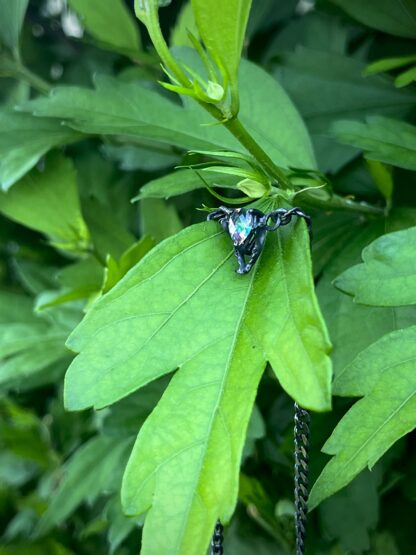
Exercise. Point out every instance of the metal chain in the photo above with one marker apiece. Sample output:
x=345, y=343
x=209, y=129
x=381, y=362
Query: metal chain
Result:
x=302, y=418
x=302, y=433
x=217, y=540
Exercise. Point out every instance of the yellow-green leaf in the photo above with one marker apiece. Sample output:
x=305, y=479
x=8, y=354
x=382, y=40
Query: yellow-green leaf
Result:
x=183, y=306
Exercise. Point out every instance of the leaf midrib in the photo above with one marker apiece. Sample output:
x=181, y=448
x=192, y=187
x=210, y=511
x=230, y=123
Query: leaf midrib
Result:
x=375, y=432
x=217, y=406
x=109, y=369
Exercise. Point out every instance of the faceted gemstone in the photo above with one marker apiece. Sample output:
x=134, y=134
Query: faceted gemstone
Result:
x=240, y=226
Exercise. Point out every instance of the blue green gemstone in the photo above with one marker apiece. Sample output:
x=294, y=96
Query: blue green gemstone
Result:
x=240, y=226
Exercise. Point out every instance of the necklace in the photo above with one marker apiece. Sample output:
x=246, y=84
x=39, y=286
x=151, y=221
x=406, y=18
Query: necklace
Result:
x=247, y=229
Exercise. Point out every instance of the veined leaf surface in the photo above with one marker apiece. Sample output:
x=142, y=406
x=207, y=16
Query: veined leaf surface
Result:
x=377, y=420
x=387, y=276
x=183, y=306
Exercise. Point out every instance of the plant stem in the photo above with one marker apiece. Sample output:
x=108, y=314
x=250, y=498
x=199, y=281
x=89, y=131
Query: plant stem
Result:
x=335, y=202
x=235, y=127
x=158, y=41
x=32, y=79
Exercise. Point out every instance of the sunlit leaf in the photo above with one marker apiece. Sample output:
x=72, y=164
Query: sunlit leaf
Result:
x=169, y=303
x=383, y=374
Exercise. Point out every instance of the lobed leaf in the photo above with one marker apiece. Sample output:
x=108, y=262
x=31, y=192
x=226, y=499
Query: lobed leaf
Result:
x=387, y=276
x=376, y=421
x=353, y=327
x=184, y=306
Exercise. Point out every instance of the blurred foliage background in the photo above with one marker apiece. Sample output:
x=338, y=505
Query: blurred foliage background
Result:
x=69, y=231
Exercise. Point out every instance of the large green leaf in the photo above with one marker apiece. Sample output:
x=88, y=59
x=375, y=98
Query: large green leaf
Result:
x=47, y=201
x=387, y=276
x=121, y=108
x=12, y=15
x=133, y=111
x=388, y=140
x=110, y=22
x=23, y=140
x=222, y=27
x=390, y=16
x=384, y=375
x=184, y=306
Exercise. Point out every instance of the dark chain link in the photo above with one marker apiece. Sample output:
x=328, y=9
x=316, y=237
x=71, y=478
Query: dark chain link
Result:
x=302, y=421
x=217, y=540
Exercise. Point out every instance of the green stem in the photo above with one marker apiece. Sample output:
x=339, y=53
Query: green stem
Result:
x=32, y=79
x=234, y=125
x=337, y=203
x=156, y=36
x=243, y=136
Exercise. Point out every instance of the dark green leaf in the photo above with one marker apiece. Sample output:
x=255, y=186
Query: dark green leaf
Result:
x=109, y=233
x=29, y=345
x=120, y=525
x=384, y=139
x=159, y=219
x=132, y=157
x=326, y=87
x=352, y=514
x=127, y=109
x=24, y=140
x=47, y=201
x=396, y=18
x=387, y=276
x=11, y=21
x=94, y=469
x=110, y=22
